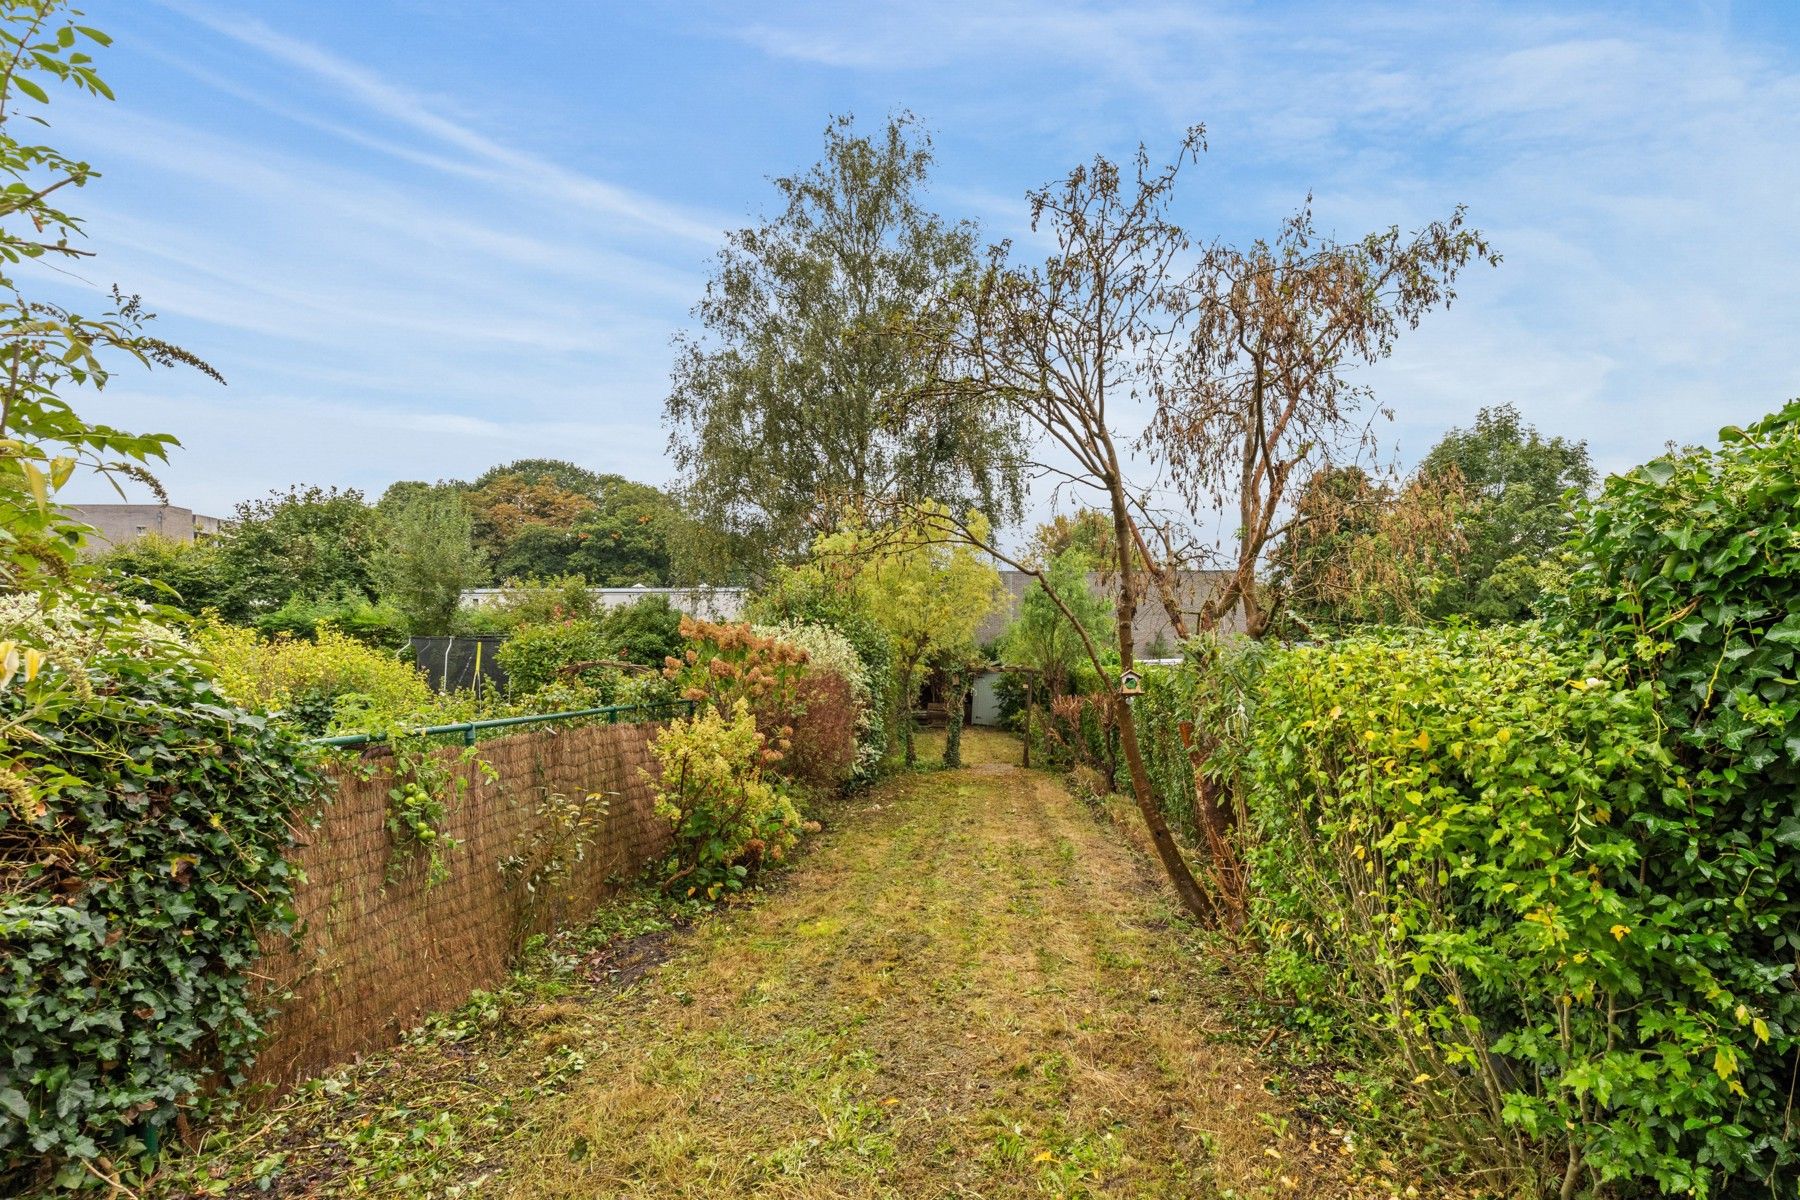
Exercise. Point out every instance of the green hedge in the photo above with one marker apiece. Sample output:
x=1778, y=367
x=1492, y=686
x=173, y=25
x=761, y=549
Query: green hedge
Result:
x=1454, y=844
x=1551, y=875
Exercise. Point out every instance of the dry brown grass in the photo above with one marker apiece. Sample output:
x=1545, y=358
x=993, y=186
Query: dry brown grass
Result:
x=969, y=989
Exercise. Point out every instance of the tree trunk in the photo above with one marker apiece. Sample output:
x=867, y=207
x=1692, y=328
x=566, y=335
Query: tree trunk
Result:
x=908, y=693
x=958, y=688
x=1192, y=898
x=1186, y=888
x=1217, y=822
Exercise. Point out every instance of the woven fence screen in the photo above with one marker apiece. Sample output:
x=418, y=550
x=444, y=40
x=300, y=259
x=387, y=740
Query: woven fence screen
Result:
x=380, y=946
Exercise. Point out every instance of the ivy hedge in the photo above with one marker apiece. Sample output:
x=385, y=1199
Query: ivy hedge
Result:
x=142, y=832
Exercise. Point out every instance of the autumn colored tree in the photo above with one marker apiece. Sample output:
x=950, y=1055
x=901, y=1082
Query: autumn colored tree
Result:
x=1259, y=394
x=1087, y=530
x=1062, y=348
x=1361, y=549
x=507, y=504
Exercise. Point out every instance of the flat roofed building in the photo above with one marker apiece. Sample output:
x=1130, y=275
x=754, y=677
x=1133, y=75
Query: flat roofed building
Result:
x=118, y=524
x=703, y=603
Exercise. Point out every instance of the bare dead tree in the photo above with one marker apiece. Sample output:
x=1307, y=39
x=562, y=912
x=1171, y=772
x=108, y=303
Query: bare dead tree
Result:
x=1260, y=398
x=1062, y=346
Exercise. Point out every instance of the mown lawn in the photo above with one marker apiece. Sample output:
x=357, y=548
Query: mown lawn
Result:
x=970, y=985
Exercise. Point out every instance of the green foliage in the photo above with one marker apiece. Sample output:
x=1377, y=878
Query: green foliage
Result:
x=1516, y=516
x=1170, y=698
x=421, y=787
x=426, y=558
x=189, y=575
x=928, y=592
x=536, y=656
x=1689, y=569
x=311, y=542
x=545, y=601
x=646, y=631
x=1363, y=550
x=798, y=391
x=1461, y=843
x=46, y=350
x=730, y=816
x=623, y=538
x=138, y=869
x=330, y=684
x=1044, y=638
x=540, y=656
x=543, y=519
x=378, y=625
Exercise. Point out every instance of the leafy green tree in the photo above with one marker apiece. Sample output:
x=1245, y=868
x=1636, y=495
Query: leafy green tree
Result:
x=315, y=543
x=1048, y=637
x=795, y=406
x=646, y=632
x=929, y=593
x=1517, y=515
x=537, y=552
x=46, y=350
x=427, y=557
x=190, y=576
x=398, y=493
x=628, y=538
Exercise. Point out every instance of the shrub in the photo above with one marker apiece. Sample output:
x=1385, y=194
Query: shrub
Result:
x=724, y=664
x=646, y=631
x=1689, y=568
x=822, y=743
x=547, y=602
x=160, y=570
x=795, y=599
x=379, y=625
x=332, y=684
x=142, y=828
x=537, y=656
x=729, y=816
x=832, y=714
x=1456, y=838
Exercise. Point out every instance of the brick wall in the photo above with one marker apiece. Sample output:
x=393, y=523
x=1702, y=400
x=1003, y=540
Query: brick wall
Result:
x=380, y=948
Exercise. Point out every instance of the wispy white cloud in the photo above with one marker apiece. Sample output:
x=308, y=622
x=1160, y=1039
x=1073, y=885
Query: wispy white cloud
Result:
x=488, y=159
x=345, y=236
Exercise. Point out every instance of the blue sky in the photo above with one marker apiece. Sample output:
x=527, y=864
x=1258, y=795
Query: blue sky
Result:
x=423, y=236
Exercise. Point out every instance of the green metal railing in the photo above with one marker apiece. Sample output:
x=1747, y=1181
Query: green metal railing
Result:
x=468, y=729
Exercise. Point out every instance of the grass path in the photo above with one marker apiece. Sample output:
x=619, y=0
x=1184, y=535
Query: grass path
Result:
x=969, y=986
x=968, y=990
